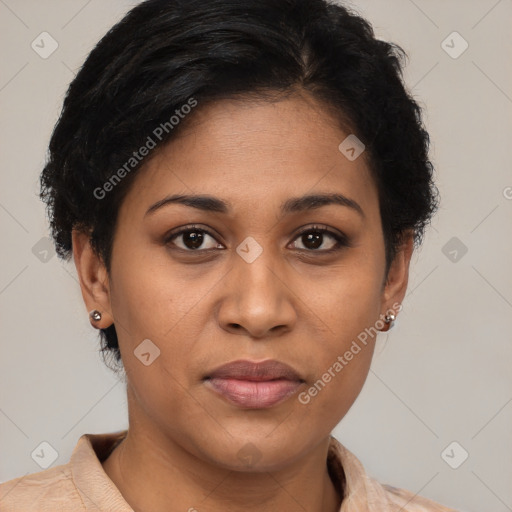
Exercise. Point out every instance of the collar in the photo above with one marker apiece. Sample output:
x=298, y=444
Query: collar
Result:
x=360, y=492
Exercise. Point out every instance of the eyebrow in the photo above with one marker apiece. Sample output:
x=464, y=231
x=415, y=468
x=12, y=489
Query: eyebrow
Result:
x=291, y=205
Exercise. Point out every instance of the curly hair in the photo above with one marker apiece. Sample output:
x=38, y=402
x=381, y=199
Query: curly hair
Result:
x=165, y=52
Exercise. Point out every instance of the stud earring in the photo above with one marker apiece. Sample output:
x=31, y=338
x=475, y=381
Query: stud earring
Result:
x=95, y=314
x=389, y=318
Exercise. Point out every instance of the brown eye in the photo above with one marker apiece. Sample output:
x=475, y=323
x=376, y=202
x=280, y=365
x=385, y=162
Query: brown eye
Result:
x=193, y=239
x=313, y=239
x=317, y=239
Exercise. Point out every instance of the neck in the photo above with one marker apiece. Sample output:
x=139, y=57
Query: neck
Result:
x=173, y=476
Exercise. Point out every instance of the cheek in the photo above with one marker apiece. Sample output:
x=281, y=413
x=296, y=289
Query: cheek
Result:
x=341, y=360
x=350, y=298
x=332, y=394
x=350, y=309
x=157, y=394
x=152, y=298
x=157, y=302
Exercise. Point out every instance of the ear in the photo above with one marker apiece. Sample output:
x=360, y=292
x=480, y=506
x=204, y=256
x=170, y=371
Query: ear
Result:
x=93, y=278
x=397, y=278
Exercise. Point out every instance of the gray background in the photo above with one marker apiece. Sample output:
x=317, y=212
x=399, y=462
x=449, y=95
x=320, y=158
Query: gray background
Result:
x=443, y=374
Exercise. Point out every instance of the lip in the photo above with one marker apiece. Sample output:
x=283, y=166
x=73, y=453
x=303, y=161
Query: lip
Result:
x=254, y=385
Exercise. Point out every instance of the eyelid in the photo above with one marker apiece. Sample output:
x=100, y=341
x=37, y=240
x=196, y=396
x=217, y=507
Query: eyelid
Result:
x=323, y=228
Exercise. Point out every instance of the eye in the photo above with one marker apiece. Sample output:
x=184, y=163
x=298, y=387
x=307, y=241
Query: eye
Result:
x=314, y=237
x=193, y=239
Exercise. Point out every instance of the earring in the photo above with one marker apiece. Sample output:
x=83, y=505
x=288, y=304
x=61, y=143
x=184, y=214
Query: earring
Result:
x=95, y=314
x=389, y=318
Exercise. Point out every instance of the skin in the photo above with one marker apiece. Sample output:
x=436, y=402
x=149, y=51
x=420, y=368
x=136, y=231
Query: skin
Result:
x=292, y=303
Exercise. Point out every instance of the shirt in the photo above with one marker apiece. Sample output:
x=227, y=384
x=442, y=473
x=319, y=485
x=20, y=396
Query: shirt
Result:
x=83, y=485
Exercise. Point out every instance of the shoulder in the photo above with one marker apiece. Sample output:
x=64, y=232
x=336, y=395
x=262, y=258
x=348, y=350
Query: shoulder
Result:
x=363, y=492
x=81, y=484
x=45, y=489
x=407, y=501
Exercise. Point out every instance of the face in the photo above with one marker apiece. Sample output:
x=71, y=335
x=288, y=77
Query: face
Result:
x=249, y=276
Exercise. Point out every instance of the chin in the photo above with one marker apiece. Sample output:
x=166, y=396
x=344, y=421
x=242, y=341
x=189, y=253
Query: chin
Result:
x=254, y=450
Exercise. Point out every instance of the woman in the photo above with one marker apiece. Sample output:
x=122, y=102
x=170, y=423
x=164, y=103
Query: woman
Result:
x=241, y=186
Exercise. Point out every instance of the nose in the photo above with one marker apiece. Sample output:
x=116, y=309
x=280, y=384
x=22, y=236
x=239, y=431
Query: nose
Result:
x=258, y=298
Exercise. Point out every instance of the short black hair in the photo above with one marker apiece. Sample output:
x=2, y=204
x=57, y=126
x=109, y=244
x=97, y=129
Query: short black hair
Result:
x=165, y=54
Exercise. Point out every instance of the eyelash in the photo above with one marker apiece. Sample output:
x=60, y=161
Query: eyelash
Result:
x=341, y=240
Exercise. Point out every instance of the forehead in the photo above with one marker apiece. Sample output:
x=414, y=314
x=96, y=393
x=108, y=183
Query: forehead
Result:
x=253, y=153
